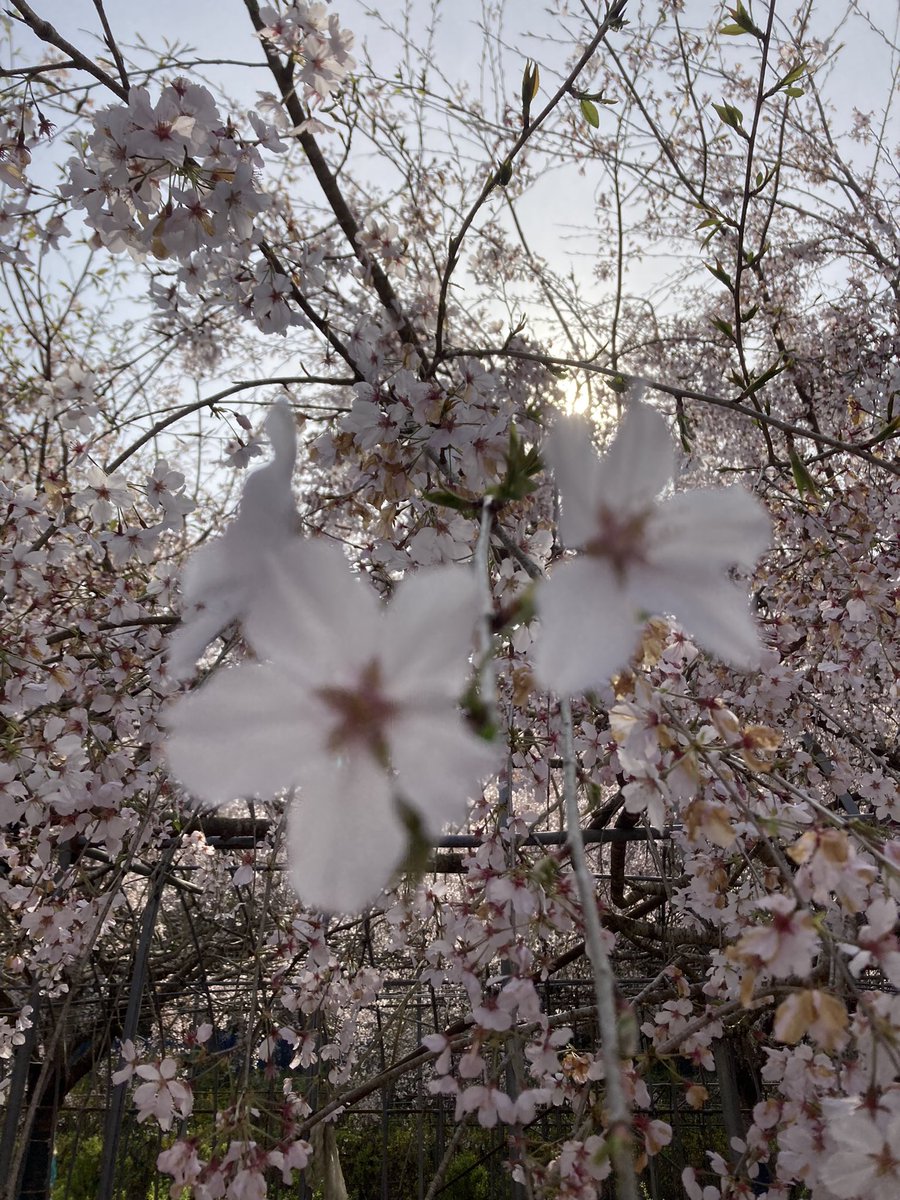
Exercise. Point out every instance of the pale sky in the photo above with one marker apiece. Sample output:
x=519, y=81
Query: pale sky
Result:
x=860, y=75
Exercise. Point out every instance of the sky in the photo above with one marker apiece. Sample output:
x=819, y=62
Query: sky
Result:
x=860, y=75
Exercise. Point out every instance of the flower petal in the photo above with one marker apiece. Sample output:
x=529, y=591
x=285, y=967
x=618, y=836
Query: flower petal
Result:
x=267, y=508
x=439, y=764
x=639, y=462
x=712, y=609
x=569, y=450
x=241, y=734
x=428, y=633
x=849, y=1173
x=315, y=613
x=344, y=835
x=221, y=578
x=588, y=627
x=710, y=528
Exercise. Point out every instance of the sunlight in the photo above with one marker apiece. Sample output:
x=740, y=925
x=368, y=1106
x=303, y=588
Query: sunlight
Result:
x=577, y=396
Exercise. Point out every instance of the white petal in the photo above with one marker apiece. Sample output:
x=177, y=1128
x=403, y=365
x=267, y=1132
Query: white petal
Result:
x=570, y=452
x=267, y=508
x=281, y=430
x=710, y=527
x=848, y=1173
x=712, y=609
x=208, y=569
x=588, y=627
x=639, y=462
x=314, y=613
x=195, y=633
x=428, y=633
x=242, y=733
x=344, y=837
x=223, y=575
x=218, y=578
x=440, y=764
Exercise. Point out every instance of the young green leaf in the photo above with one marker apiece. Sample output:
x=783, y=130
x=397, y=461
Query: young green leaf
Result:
x=802, y=478
x=741, y=22
x=521, y=466
x=450, y=500
x=730, y=116
x=590, y=114
x=531, y=81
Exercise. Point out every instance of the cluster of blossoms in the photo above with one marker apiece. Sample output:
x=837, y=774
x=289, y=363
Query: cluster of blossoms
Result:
x=170, y=177
x=240, y=1173
x=312, y=37
x=355, y=703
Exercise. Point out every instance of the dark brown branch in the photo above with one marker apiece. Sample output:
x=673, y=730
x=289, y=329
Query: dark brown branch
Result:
x=49, y=34
x=282, y=73
x=113, y=46
x=684, y=393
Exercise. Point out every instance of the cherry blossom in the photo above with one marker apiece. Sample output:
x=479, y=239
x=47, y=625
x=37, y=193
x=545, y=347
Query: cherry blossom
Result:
x=866, y=1162
x=640, y=555
x=356, y=704
x=312, y=37
x=162, y=1096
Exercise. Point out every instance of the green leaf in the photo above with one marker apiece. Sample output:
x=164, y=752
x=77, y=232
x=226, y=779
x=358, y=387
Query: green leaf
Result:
x=889, y=430
x=741, y=22
x=730, y=115
x=802, y=478
x=685, y=432
x=521, y=466
x=450, y=500
x=762, y=380
x=723, y=326
x=794, y=92
x=721, y=274
x=796, y=72
x=504, y=173
x=590, y=114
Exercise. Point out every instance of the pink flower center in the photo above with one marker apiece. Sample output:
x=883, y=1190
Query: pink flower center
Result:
x=362, y=714
x=620, y=538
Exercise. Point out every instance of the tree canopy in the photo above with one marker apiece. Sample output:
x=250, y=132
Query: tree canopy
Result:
x=448, y=623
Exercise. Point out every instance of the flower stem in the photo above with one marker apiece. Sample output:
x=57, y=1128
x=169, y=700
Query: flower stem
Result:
x=617, y=1109
x=485, y=638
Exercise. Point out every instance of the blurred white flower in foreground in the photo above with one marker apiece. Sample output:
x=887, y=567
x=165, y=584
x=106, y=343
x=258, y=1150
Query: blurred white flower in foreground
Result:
x=356, y=705
x=222, y=576
x=640, y=555
x=866, y=1162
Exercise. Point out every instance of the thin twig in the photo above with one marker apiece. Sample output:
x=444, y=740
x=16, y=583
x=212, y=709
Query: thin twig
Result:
x=47, y=33
x=618, y=1114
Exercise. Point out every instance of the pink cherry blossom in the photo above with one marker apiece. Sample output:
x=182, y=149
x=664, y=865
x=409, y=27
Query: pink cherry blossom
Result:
x=162, y=1096
x=866, y=1165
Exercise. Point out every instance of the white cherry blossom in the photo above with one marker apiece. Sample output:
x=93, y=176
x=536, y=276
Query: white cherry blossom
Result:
x=162, y=1096
x=640, y=555
x=867, y=1161
x=356, y=704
